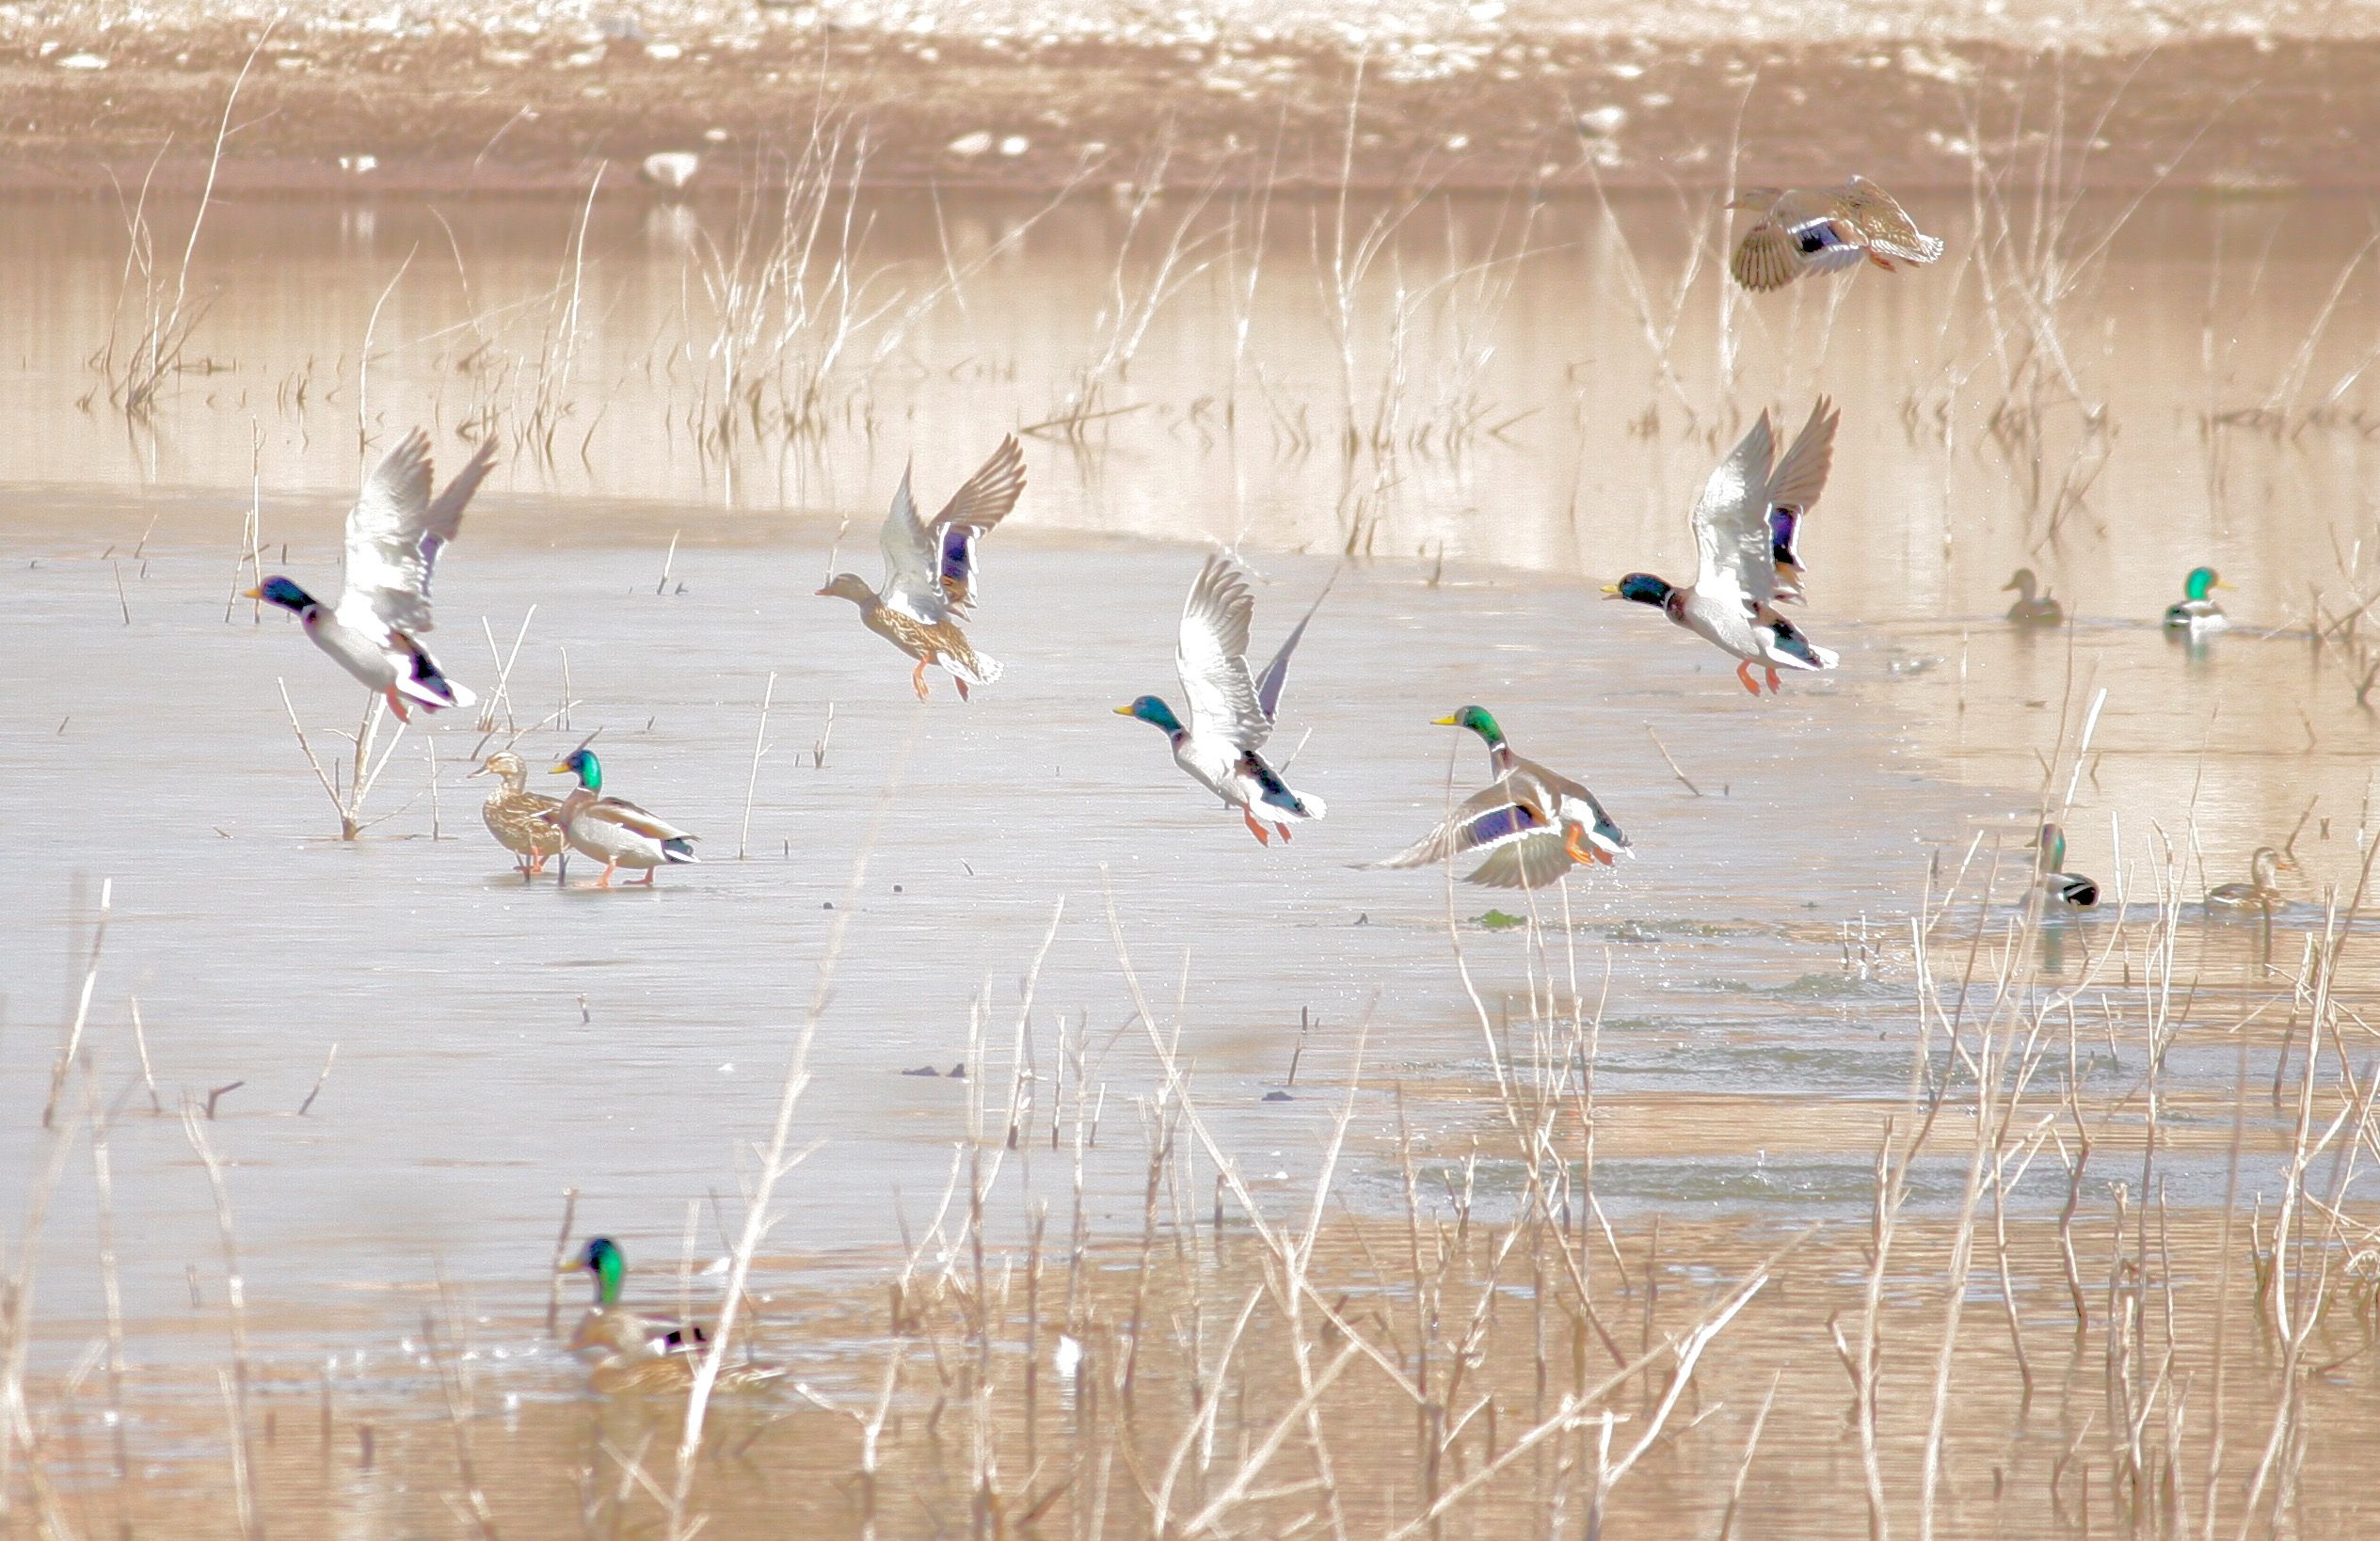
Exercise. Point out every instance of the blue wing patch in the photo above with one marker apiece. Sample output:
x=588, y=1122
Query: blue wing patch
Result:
x=1502, y=824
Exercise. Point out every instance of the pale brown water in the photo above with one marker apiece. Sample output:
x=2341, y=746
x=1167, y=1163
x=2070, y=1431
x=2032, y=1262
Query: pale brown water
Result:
x=497, y=1043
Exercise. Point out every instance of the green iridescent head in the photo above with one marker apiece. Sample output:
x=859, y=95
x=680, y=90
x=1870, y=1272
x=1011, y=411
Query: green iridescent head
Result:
x=1479, y=720
x=2199, y=581
x=1149, y=709
x=585, y=766
x=609, y=1264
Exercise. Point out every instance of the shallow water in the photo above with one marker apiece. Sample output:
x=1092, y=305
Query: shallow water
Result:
x=496, y=1043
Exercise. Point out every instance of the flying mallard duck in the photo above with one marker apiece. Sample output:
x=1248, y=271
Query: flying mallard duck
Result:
x=1231, y=711
x=2057, y=884
x=2262, y=890
x=2029, y=610
x=394, y=533
x=2194, y=611
x=516, y=816
x=602, y=1259
x=636, y=1365
x=1796, y=483
x=930, y=572
x=1730, y=603
x=1536, y=823
x=1801, y=231
x=613, y=829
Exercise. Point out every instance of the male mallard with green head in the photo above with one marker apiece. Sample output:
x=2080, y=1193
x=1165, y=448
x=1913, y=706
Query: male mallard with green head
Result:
x=1535, y=823
x=613, y=829
x=516, y=816
x=1231, y=709
x=602, y=1259
x=394, y=533
x=1732, y=601
x=2194, y=611
x=2058, y=885
x=930, y=573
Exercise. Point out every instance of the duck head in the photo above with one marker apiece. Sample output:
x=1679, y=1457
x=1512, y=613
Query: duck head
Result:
x=2199, y=581
x=506, y=766
x=2023, y=582
x=1477, y=719
x=281, y=592
x=849, y=586
x=604, y=1259
x=1149, y=709
x=1643, y=588
x=585, y=766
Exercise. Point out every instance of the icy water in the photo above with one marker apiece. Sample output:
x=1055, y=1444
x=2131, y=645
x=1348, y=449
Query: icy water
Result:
x=496, y=1043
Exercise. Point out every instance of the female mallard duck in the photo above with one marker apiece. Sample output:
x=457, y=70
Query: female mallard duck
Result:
x=2194, y=611
x=2057, y=884
x=2262, y=890
x=930, y=573
x=2029, y=610
x=516, y=816
x=607, y=1264
x=1231, y=711
x=1825, y=231
x=613, y=829
x=636, y=1365
x=1536, y=824
x=1731, y=602
x=394, y=533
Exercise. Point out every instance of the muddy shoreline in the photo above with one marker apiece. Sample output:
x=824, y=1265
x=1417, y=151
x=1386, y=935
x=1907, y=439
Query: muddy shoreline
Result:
x=87, y=111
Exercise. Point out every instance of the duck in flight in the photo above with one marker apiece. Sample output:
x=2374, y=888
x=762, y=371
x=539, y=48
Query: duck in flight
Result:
x=1231, y=709
x=1745, y=564
x=1826, y=231
x=930, y=573
x=1534, y=824
x=394, y=533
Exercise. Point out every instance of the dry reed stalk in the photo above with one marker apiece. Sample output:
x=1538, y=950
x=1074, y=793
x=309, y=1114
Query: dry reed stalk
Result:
x=760, y=747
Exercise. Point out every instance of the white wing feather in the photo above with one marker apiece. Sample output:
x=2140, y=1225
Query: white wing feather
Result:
x=913, y=583
x=389, y=545
x=1212, y=656
x=1730, y=521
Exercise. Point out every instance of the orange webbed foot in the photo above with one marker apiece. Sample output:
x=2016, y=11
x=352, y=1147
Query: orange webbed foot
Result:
x=1744, y=678
x=647, y=881
x=1253, y=828
x=396, y=706
x=961, y=684
x=606, y=881
x=917, y=681
x=1775, y=684
x=1283, y=830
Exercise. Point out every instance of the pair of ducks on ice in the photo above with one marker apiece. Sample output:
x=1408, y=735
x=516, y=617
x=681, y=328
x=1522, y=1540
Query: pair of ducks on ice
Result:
x=2194, y=612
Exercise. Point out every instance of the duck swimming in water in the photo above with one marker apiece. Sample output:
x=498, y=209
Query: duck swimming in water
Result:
x=2030, y=609
x=2194, y=612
